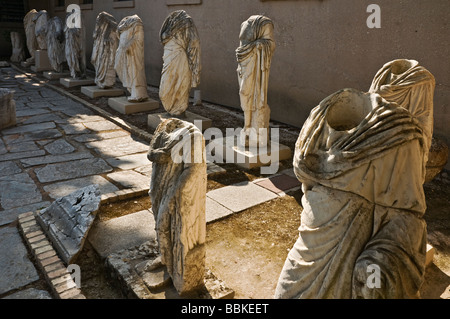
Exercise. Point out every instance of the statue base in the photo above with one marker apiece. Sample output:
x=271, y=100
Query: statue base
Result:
x=229, y=150
x=71, y=82
x=122, y=105
x=201, y=122
x=26, y=64
x=53, y=75
x=95, y=92
x=42, y=63
x=127, y=266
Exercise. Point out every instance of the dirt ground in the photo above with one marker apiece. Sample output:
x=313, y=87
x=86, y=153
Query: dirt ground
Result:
x=247, y=250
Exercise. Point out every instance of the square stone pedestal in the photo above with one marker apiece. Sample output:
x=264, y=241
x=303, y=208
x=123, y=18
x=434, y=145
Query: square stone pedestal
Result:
x=42, y=63
x=70, y=82
x=95, y=92
x=53, y=75
x=229, y=150
x=122, y=105
x=201, y=122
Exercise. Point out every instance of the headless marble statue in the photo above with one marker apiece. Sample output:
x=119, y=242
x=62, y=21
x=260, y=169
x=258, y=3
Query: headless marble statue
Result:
x=41, y=20
x=130, y=62
x=76, y=49
x=56, y=43
x=181, y=69
x=254, y=57
x=29, y=25
x=178, y=195
x=106, y=41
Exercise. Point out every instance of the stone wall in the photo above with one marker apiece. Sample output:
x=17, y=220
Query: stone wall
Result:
x=322, y=46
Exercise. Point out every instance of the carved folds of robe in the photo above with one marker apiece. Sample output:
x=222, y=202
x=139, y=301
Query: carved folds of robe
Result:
x=181, y=68
x=360, y=161
x=254, y=57
x=411, y=86
x=41, y=20
x=76, y=49
x=29, y=25
x=106, y=41
x=129, y=62
x=178, y=195
x=56, y=43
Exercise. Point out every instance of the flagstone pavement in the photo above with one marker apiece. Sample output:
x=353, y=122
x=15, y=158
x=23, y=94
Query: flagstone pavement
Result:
x=60, y=145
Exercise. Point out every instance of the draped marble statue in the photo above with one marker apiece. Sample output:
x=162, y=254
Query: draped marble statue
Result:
x=56, y=43
x=411, y=86
x=181, y=68
x=106, y=41
x=360, y=161
x=178, y=195
x=75, y=48
x=129, y=62
x=29, y=25
x=41, y=20
x=254, y=57
x=18, y=52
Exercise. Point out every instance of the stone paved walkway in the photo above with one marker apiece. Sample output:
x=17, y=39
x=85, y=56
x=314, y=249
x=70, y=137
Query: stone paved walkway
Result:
x=60, y=145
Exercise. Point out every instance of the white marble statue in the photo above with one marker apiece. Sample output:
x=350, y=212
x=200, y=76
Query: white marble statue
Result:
x=41, y=20
x=56, y=43
x=178, y=196
x=360, y=161
x=130, y=61
x=75, y=49
x=29, y=25
x=181, y=69
x=106, y=41
x=254, y=57
x=411, y=86
x=18, y=52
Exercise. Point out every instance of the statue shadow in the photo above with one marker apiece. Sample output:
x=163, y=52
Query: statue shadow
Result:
x=436, y=283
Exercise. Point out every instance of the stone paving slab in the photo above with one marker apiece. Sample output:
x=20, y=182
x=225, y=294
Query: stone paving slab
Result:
x=42, y=118
x=59, y=147
x=130, y=179
x=50, y=159
x=19, y=155
x=118, y=146
x=100, y=126
x=29, y=128
x=129, y=161
x=71, y=170
x=9, y=168
x=241, y=196
x=32, y=136
x=22, y=147
x=215, y=211
x=18, y=190
x=10, y=215
x=133, y=230
x=30, y=293
x=16, y=270
x=279, y=183
x=60, y=189
x=93, y=137
x=75, y=128
x=31, y=112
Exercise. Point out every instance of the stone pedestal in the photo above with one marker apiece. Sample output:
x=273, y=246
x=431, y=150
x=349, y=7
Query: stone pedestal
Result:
x=7, y=109
x=42, y=62
x=95, y=92
x=229, y=150
x=53, y=75
x=122, y=105
x=201, y=122
x=70, y=82
x=26, y=64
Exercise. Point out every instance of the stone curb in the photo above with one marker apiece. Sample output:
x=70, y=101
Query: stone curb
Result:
x=55, y=272
x=116, y=120
x=122, y=195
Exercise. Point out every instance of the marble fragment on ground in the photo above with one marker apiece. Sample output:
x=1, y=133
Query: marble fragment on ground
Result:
x=68, y=219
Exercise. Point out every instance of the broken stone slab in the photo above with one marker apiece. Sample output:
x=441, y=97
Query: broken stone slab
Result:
x=128, y=265
x=68, y=219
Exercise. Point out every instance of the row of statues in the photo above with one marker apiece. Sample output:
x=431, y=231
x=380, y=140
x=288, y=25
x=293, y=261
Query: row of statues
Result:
x=118, y=48
x=360, y=156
